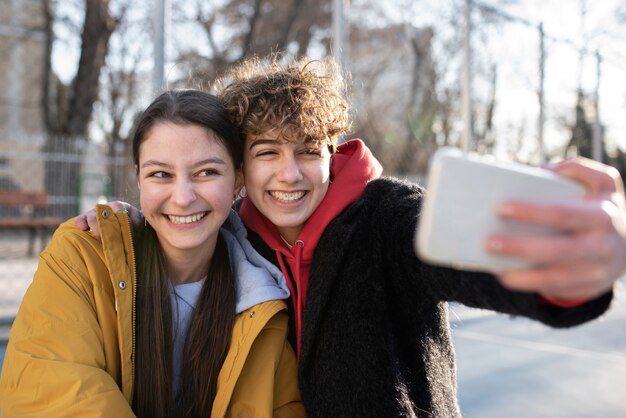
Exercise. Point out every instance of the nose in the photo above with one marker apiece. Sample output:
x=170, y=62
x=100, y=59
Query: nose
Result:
x=289, y=170
x=184, y=192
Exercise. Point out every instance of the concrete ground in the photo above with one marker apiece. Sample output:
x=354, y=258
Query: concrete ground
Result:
x=507, y=367
x=514, y=367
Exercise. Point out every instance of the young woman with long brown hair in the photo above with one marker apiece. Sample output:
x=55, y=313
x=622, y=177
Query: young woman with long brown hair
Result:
x=182, y=318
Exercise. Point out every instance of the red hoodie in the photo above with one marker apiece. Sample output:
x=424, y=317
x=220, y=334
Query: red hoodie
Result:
x=352, y=167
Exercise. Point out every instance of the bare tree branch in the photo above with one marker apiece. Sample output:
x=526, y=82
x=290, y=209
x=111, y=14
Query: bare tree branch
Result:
x=253, y=22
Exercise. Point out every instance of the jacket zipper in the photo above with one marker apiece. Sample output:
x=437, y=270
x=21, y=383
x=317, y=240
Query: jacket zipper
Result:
x=134, y=304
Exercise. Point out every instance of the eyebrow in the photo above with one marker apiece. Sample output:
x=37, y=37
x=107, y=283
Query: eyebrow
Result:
x=212, y=160
x=265, y=142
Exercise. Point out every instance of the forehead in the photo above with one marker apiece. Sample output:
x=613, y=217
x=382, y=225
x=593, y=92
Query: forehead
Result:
x=174, y=141
x=285, y=137
x=281, y=135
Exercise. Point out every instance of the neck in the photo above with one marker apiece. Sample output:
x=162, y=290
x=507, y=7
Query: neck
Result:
x=189, y=266
x=289, y=234
x=290, y=246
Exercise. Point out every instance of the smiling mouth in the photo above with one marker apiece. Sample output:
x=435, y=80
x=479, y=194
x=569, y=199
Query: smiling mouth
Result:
x=287, y=197
x=181, y=220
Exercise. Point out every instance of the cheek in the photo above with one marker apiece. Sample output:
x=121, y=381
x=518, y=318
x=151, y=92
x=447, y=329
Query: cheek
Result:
x=253, y=175
x=221, y=194
x=319, y=175
x=148, y=199
x=224, y=197
x=254, y=186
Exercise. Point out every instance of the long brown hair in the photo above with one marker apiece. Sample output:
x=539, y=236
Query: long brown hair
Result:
x=213, y=319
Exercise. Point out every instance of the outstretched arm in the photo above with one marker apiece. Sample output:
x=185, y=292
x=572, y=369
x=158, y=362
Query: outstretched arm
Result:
x=585, y=262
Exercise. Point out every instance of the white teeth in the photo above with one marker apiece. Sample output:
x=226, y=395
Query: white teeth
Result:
x=186, y=219
x=287, y=197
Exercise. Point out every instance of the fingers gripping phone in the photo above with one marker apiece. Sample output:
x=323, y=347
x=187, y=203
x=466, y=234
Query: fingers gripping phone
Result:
x=459, y=211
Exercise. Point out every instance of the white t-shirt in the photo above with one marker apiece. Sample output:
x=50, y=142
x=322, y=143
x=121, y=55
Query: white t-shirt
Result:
x=184, y=298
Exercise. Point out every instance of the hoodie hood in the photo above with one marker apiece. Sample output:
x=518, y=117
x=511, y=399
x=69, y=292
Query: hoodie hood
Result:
x=352, y=167
x=257, y=280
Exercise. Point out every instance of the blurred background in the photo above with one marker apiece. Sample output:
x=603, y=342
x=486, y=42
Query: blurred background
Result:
x=524, y=80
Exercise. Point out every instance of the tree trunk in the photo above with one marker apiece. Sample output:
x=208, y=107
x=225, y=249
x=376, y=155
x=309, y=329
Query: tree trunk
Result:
x=68, y=122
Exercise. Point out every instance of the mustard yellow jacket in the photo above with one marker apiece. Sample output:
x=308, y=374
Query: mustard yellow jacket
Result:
x=70, y=351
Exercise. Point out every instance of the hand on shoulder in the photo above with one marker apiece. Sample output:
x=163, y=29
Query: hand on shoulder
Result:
x=87, y=220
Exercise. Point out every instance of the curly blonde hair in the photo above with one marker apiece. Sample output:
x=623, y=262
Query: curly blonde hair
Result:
x=304, y=99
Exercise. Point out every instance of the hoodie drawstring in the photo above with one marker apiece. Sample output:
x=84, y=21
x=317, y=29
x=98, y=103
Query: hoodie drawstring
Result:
x=293, y=284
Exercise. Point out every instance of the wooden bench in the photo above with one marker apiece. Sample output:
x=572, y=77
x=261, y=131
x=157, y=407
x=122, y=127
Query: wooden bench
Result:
x=26, y=203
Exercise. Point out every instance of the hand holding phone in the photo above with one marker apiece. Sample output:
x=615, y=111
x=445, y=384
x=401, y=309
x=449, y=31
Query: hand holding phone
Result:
x=459, y=211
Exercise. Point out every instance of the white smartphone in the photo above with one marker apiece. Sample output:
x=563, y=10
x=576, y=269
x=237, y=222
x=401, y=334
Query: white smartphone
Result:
x=459, y=211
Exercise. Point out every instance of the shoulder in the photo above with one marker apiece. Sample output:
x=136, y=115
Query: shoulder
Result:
x=388, y=209
x=392, y=188
x=384, y=200
x=269, y=314
x=76, y=256
x=71, y=268
x=391, y=198
x=267, y=321
x=69, y=241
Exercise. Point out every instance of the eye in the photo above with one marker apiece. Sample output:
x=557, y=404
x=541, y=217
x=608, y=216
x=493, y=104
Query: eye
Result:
x=265, y=152
x=311, y=152
x=159, y=175
x=207, y=172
